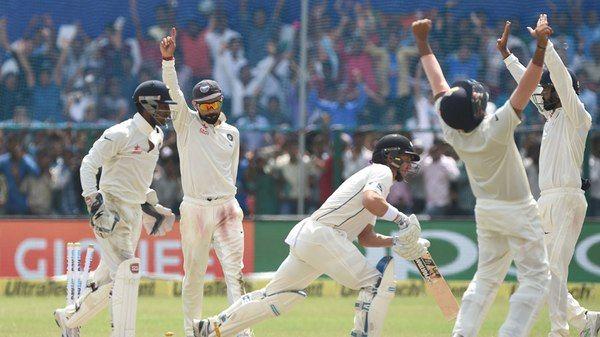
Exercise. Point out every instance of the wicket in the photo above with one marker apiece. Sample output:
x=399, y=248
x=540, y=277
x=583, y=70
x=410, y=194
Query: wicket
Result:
x=77, y=278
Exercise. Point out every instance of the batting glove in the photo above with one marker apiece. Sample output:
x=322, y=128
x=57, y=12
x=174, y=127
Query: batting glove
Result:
x=411, y=251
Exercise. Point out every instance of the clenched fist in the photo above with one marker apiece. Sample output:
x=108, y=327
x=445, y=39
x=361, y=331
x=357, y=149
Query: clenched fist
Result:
x=421, y=29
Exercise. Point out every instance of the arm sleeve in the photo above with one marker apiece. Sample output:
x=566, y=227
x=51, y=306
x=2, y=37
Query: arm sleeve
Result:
x=564, y=87
x=517, y=70
x=105, y=148
x=380, y=180
x=180, y=112
x=503, y=123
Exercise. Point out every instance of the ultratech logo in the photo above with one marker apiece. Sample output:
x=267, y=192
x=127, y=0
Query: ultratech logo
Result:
x=34, y=289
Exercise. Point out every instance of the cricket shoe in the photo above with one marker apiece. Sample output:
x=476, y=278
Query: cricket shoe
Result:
x=60, y=317
x=204, y=328
x=246, y=333
x=592, y=324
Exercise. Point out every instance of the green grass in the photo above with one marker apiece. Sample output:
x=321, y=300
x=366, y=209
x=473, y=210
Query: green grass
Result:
x=314, y=317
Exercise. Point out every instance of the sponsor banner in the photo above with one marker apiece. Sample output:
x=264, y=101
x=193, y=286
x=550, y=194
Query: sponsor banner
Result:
x=319, y=288
x=36, y=249
x=453, y=246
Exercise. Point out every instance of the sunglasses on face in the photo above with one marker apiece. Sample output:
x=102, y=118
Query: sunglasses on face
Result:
x=209, y=106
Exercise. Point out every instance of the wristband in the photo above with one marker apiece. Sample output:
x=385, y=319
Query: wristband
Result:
x=170, y=58
x=540, y=47
x=393, y=214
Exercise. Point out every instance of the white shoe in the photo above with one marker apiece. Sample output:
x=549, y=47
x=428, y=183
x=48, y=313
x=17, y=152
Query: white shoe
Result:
x=592, y=324
x=246, y=333
x=202, y=327
x=60, y=317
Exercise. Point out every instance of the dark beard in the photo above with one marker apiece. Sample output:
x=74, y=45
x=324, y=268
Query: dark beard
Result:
x=550, y=105
x=211, y=118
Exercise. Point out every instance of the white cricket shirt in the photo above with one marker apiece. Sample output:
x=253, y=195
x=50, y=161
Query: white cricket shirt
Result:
x=127, y=153
x=208, y=154
x=565, y=130
x=491, y=157
x=344, y=209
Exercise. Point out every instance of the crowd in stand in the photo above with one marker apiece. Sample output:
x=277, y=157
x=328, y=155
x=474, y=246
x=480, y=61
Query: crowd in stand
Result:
x=363, y=70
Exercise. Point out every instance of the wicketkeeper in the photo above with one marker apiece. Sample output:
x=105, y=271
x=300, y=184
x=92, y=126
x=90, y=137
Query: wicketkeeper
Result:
x=127, y=153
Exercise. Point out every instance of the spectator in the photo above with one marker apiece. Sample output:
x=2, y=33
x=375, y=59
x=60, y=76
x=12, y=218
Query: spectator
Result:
x=12, y=94
x=438, y=172
x=588, y=94
x=288, y=167
x=113, y=106
x=275, y=114
x=46, y=102
x=260, y=31
x=16, y=165
x=196, y=53
x=262, y=182
x=253, y=139
x=345, y=108
x=38, y=189
x=463, y=64
x=356, y=157
x=228, y=63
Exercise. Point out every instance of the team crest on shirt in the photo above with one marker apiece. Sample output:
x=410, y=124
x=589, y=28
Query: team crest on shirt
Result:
x=204, y=130
x=230, y=137
x=137, y=149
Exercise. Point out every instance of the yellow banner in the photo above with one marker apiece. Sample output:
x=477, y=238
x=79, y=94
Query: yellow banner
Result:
x=319, y=288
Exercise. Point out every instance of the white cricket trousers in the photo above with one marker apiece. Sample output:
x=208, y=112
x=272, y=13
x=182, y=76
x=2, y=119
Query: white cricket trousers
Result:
x=204, y=222
x=563, y=212
x=121, y=244
x=506, y=231
x=315, y=250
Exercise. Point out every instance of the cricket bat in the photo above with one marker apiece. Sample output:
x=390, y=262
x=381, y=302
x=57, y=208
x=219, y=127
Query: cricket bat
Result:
x=436, y=286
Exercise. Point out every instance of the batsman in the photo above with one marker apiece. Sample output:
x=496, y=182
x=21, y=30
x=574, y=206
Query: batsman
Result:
x=322, y=244
x=127, y=153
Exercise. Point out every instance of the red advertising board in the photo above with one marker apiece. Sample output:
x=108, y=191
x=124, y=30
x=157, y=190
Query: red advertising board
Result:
x=36, y=249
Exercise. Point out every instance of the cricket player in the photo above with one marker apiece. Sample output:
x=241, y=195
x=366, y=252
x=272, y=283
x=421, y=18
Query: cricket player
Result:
x=562, y=202
x=507, y=217
x=322, y=244
x=127, y=153
x=209, y=150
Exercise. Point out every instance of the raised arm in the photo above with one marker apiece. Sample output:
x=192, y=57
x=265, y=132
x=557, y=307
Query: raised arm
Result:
x=432, y=68
x=512, y=63
x=531, y=78
x=180, y=112
x=561, y=79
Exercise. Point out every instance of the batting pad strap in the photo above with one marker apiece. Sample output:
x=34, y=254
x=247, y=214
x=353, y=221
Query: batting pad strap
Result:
x=91, y=302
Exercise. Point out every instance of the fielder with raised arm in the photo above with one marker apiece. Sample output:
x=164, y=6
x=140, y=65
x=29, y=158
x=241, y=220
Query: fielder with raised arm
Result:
x=127, y=153
x=508, y=223
x=209, y=150
x=562, y=202
x=322, y=244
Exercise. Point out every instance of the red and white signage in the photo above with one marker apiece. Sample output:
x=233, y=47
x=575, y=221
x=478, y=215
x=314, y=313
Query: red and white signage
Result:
x=36, y=249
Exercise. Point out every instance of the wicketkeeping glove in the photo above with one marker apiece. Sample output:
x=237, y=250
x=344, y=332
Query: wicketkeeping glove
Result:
x=103, y=221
